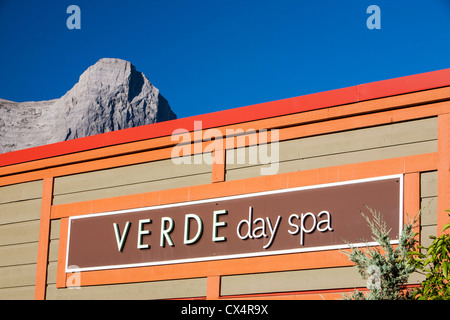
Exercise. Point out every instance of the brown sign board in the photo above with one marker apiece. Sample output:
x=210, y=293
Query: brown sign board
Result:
x=312, y=218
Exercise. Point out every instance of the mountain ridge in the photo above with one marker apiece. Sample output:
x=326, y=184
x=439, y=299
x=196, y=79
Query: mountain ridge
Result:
x=110, y=95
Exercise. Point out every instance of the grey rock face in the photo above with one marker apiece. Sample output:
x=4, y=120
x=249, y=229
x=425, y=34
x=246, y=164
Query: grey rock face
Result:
x=110, y=95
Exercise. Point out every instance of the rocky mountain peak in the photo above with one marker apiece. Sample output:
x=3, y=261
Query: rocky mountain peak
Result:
x=110, y=95
x=109, y=74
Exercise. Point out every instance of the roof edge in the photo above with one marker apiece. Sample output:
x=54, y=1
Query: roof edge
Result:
x=325, y=99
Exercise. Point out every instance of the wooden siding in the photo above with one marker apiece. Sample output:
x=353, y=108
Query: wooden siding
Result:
x=428, y=197
x=20, y=207
x=132, y=179
x=354, y=146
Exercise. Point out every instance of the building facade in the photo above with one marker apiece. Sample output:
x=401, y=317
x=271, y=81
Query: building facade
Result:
x=249, y=203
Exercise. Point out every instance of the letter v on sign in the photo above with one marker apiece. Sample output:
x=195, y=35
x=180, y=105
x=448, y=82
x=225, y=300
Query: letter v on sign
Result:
x=121, y=240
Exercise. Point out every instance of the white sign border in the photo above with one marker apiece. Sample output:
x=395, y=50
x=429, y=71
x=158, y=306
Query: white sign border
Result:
x=72, y=269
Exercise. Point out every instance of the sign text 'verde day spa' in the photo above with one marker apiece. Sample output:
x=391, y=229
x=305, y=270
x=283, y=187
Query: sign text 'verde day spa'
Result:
x=246, y=229
x=274, y=222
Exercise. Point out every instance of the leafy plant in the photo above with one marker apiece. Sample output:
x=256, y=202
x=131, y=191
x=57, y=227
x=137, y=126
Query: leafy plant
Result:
x=435, y=264
x=385, y=267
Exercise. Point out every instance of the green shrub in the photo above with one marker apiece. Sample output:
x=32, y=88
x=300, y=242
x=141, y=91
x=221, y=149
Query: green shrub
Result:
x=385, y=268
x=435, y=264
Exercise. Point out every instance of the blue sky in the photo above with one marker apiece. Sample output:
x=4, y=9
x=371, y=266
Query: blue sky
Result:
x=211, y=55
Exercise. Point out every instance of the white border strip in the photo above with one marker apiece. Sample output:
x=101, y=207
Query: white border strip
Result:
x=242, y=255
